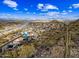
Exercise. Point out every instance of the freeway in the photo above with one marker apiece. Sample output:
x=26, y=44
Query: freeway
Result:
x=14, y=31
x=19, y=28
x=1, y=46
x=4, y=46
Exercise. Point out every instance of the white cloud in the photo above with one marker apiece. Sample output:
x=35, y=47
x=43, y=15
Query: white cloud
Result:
x=53, y=13
x=25, y=9
x=49, y=6
x=34, y=13
x=40, y=6
x=70, y=7
x=64, y=12
x=15, y=9
x=27, y=12
x=10, y=3
x=76, y=5
x=46, y=7
x=69, y=10
x=44, y=10
x=56, y=15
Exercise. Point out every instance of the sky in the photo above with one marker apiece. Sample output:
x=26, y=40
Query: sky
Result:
x=39, y=9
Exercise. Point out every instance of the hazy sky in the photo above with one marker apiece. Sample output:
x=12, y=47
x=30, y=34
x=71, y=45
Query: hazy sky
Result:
x=39, y=9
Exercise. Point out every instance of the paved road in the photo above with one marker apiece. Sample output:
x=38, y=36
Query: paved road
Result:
x=4, y=45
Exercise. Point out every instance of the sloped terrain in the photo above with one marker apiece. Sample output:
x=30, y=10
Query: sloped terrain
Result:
x=53, y=39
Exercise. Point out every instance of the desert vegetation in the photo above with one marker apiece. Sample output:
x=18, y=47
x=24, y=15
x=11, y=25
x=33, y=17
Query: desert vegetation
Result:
x=54, y=39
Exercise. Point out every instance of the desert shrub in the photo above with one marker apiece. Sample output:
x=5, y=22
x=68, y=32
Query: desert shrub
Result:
x=26, y=51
